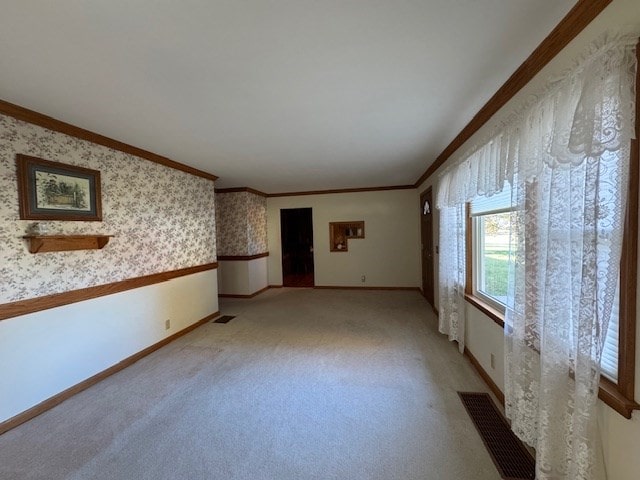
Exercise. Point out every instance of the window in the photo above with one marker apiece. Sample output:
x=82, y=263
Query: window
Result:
x=490, y=218
x=482, y=291
x=488, y=258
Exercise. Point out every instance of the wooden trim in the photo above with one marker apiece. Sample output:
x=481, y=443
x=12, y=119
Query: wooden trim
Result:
x=237, y=258
x=231, y=295
x=31, y=305
x=337, y=287
x=610, y=394
x=340, y=190
x=613, y=395
x=485, y=376
x=608, y=391
x=569, y=27
x=495, y=315
x=468, y=241
x=241, y=189
x=628, y=280
x=98, y=377
x=629, y=267
x=50, y=123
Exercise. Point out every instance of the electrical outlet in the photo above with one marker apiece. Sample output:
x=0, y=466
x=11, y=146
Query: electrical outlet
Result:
x=363, y=279
x=167, y=324
x=493, y=361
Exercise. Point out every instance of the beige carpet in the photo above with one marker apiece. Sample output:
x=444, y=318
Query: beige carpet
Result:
x=302, y=384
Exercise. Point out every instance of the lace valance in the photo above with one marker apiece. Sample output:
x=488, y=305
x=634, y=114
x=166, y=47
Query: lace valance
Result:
x=586, y=112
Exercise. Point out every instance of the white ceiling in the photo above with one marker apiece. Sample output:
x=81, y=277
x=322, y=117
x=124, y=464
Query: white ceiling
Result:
x=281, y=95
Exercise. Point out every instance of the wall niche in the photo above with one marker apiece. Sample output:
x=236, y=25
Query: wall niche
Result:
x=341, y=232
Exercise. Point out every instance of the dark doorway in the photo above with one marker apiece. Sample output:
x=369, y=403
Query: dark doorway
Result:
x=426, y=228
x=296, y=229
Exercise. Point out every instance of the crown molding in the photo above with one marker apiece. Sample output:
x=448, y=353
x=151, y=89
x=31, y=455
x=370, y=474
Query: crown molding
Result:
x=241, y=189
x=581, y=15
x=341, y=190
x=41, y=120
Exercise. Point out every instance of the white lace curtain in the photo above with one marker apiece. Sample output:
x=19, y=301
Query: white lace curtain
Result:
x=451, y=317
x=566, y=153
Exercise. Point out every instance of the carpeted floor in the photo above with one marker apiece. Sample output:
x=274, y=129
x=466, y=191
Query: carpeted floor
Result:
x=303, y=384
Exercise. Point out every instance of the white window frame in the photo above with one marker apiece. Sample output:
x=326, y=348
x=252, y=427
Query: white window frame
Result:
x=478, y=210
x=478, y=270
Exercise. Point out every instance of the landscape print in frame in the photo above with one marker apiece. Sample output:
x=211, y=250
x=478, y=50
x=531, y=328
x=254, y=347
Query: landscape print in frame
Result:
x=56, y=191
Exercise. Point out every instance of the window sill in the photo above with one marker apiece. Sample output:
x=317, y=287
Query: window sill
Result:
x=495, y=315
x=610, y=395
x=608, y=391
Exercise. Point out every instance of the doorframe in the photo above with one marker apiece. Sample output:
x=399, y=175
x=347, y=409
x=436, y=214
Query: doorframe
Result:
x=312, y=282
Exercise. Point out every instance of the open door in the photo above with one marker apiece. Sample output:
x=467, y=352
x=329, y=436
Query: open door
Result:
x=296, y=228
x=426, y=228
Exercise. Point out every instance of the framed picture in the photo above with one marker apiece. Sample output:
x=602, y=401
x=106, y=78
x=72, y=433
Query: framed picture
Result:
x=55, y=191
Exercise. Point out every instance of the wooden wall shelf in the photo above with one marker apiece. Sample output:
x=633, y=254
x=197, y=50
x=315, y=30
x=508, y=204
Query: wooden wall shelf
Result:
x=63, y=243
x=341, y=232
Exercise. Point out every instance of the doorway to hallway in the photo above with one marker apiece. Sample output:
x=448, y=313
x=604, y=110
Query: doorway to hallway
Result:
x=296, y=228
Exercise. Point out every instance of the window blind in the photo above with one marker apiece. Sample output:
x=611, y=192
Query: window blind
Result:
x=609, y=360
x=497, y=203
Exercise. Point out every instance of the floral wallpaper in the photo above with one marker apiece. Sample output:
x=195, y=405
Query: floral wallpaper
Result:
x=256, y=224
x=162, y=219
x=231, y=213
x=242, y=223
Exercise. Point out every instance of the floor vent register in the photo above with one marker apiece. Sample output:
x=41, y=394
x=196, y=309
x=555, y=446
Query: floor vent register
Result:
x=224, y=319
x=511, y=457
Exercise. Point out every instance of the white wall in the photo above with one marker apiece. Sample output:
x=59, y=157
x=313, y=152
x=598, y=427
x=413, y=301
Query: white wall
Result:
x=620, y=436
x=242, y=277
x=486, y=338
x=258, y=274
x=388, y=256
x=44, y=353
